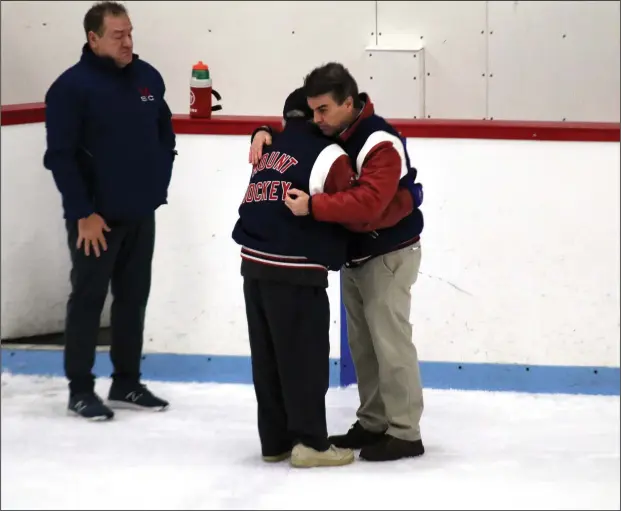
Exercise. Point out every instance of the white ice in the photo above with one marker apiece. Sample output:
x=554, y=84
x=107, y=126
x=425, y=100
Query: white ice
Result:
x=484, y=451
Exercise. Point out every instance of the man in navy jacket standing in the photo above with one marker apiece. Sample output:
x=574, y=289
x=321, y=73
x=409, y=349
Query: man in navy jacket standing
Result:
x=110, y=148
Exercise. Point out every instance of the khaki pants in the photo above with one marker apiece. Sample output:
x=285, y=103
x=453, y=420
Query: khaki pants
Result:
x=377, y=297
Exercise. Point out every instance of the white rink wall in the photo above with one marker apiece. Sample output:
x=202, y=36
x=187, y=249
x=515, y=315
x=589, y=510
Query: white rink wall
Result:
x=520, y=251
x=460, y=60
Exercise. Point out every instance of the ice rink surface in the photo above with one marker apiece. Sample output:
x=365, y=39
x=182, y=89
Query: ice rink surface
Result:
x=484, y=451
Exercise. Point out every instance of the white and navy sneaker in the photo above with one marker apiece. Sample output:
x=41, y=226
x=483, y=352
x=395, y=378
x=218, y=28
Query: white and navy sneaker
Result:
x=136, y=397
x=89, y=406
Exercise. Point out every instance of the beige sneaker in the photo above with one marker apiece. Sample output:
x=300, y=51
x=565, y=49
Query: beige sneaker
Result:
x=277, y=458
x=307, y=457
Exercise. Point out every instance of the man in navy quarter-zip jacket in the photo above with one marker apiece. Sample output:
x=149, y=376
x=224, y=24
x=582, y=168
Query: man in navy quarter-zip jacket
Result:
x=110, y=148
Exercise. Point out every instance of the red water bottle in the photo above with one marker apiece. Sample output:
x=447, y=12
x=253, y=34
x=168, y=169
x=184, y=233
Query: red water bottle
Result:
x=200, y=91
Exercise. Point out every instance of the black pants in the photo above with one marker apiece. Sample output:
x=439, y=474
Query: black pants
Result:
x=290, y=347
x=126, y=265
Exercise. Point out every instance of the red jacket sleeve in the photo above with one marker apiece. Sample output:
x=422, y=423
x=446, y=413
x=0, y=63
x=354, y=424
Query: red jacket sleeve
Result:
x=341, y=175
x=371, y=202
x=400, y=206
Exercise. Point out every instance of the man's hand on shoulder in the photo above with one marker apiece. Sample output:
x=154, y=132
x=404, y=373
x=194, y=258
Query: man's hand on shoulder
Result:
x=91, y=233
x=260, y=139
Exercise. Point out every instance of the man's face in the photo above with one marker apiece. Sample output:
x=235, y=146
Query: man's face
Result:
x=330, y=117
x=116, y=41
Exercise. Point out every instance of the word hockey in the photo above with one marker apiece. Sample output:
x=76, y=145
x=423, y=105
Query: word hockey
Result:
x=270, y=190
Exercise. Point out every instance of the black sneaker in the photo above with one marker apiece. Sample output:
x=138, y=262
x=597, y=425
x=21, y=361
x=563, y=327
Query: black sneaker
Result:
x=136, y=397
x=356, y=438
x=89, y=406
x=392, y=449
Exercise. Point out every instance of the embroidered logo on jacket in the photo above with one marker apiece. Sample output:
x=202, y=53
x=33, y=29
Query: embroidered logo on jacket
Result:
x=145, y=94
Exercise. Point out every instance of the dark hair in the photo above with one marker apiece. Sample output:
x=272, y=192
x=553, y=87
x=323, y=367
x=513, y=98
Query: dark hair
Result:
x=332, y=78
x=94, y=18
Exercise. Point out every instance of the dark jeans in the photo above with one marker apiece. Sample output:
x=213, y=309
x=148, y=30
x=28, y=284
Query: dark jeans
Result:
x=126, y=265
x=289, y=328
